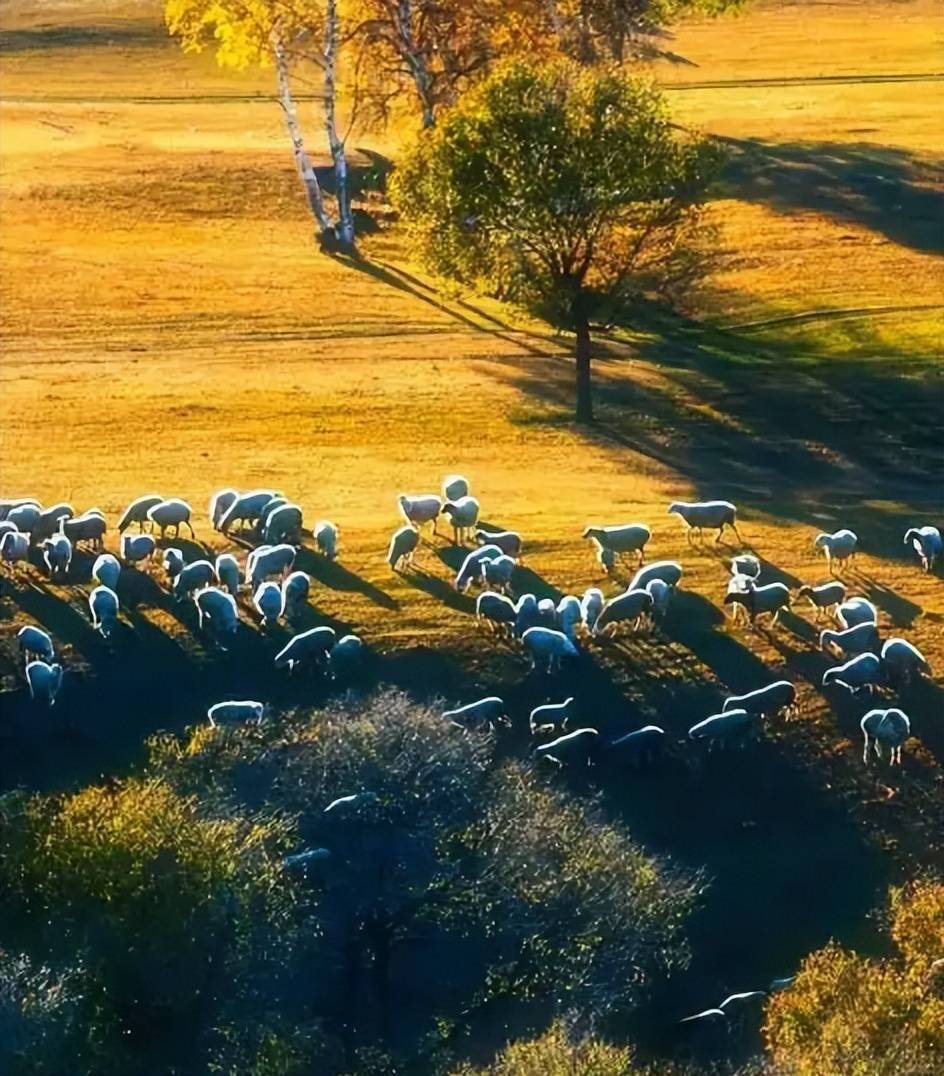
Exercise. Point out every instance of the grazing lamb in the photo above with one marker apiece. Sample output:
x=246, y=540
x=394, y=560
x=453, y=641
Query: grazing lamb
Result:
x=547, y=613
x=326, y=538
x=927, y=543
x=89, y=527
x=856, y=611
x=48, y=522
x=193, y=576
x=668, y=571
x=526, y=614
x=858, y=675
x=35, y=643
x=758, y=601
x=839, y=547
x=730, y=726
x=283, y=524
x=591, y=605
x=103, y=605
x=275, y=502
x=455, y=487
x=137, y=548
x=235, y=712
x=14, y=547
x=217, y=613
x=488, y=712
x=267, y=561
x=313, y=645
x=137, y=511
x=346, y=657
x=858, y=640
x=57, y=556
x=246, y=508
x=579, y=748
x=901, y=661
x=44, y=681
x=471, y=567
x=106, y=570
x=498, y=572
x=619, y=540
x=463, y=515
x=420, y=509
x=642, y=746
x=496, y=610
x=402, y=547
x=509, y=542
x=769, y=701
x=628, y=608
x=710, y=515
x=826, y=597
x=661, y=594
x=269, y=602
x=746, y=564
x=171, y=513
x=569, y=614
x=295, y=588
x=887, y=728
x=227, y=572
x=552, y=716
x=172, y=562
x=220, y=504
x=548, y=646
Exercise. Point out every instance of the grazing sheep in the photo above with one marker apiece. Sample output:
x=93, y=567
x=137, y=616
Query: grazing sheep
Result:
x=711, y=515
x=856, y=611
x=642, y=746
x=227, y=572
x=275, y=502
x=860, y=674
x=193, y=576
x=136, y=548
x=346, y=657
x=471, y=567
x=283, y=524
x=579, y=747
x=220, y=504
x=839, y=547
x=9, y=503
x=103, y=605
x=6, y=527
x=498, y=573
x=44, y=681
x=57, y=556
x=475, y=715
x=267, y=561
x=402, y=547
x=25, y=517
x=172, y=562
x=628, y=608
x=547, y=613
x=591, y=605
x=270, y=603
x=137, y=511
x=171, y=513
x=295, y=588
x=48, y=522
x=825, y=597
x=455, y=487
x=668, y=571
x=902, y=660
x=246, y=508
x=235, y=712
x=312, y=645
x=758, y=601
x=509, y=542
x=887, y=728
x=526, y=614
x=927, y=543
x=548, y=645
x=730, y=726
x=35, y=643
x=852, y=641
x=661, y=594
x=569, y=614
x=746, y=564
x=326, y=538
x=420, y=509
x=14, y=547
x=463, y=515
x=106, y=570
x=618, y=540
x=551, y=716
x=496, y=610
x=606, y=559
x=217, y=612
x=769, y=701
x=89, y=527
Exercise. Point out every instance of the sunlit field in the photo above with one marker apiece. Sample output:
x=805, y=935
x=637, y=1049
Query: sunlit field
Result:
x=169, y=325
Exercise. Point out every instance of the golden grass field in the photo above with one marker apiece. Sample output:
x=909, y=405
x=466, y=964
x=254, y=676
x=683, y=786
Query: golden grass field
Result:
x=169, y=325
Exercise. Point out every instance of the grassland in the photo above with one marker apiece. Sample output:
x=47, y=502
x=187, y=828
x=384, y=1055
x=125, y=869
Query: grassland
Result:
x=168, y=324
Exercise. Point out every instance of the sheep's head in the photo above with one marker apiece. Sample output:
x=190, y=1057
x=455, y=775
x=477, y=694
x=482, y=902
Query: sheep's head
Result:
x=593, y=532
x=675, y=508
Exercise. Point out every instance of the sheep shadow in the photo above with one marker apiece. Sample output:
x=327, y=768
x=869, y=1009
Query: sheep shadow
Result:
x=440, y=589
x=333, y=574
x=901, y=611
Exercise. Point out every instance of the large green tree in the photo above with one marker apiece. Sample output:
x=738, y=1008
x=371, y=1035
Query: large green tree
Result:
x=563, y=188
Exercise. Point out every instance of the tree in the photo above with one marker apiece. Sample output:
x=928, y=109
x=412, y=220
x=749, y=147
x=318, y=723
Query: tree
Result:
x=556, y=1053
x=562, y=188
x=38, y=1017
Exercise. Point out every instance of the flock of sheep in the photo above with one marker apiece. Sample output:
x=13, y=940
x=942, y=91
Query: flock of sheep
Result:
x=549, y=632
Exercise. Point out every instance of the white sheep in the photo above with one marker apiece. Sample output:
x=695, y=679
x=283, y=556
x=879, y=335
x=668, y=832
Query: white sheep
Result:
x=547, y=613
x=552, y=716
x=403, y=545
x=509, y=542
x=6, y=527
x=269, y=602
x=548, y=645
x=702, y=515
x=246, y=508
x=526, y=614
x=591, y=605
x=137, y=548
x=103, y=605
x=49, y=518
x=827, y=596
x=498, y=572
x=346, y=803
x=463, y=515
x=227, y=572
x=471, y=567
x=137, y=511
x=496, y=610
x=106, y=570
x=275, y=502
x=346, y=656
x=618, y=540
x=727, y=727
x=902, y=660
x=44, y=681
x=887, y=728
x=580, y=747
x=860, y=674
x=484, y=712
x=454, y=487
x=661, y=594
x=7, y=505
x=235, y=711
x=283, y=524
x=171, y=513
x=746, y=564
x=267, y=561
x=35, y=643
x=569, y=614
x=217, y=612
x=57, y=556
x=852, y=641
x=767, y=600
x=778, y=697
x=89, y=527
x=326, y=538
x=193, y=576
x=839, y=547
x=668, y=571
x=172, y=562
x=628, y=608
x=25, y=517
x=927, y=543
x=295, y=588
x=856, y=611
x=642, y=745
x=312, y=645
x=420, y=509
x=14, y=548
x=220, y=504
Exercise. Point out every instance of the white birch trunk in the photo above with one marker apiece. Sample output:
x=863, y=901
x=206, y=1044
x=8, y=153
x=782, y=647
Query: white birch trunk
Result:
x=345, y=228
x=415, y=60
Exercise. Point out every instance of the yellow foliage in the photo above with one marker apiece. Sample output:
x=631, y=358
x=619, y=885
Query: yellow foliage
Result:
x=554, y=1054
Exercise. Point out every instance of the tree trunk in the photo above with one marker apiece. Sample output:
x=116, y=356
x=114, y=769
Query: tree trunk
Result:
x=345, y=228
x=584, y=411
x=415, y=61
x=302, y=162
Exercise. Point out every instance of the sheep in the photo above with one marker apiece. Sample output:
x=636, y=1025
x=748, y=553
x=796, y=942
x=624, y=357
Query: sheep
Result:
x=839, y=547
x=106, y=570
x=275, y=502
x=746, y=564
x=44, y=681
x=217, y=612
x=471, y=566
x=860, y=674
x=9, y=503
x=824, y=597
x=137, y=511
x=778, y=697
x=463, y=515
x=14, y=547
x=295, y=589
x=326, y=538
x=495, y=609
x=172, y=562
x=171, y=513
x=902, y=660
x=89, y=527
x=220, y=504
x=246, y=508
x=35, y=643
x=569, y=615
x=488, y=712
x=346, y=657
x=606, y=559
x=6, y=527
x=643, y=745
x=498, y=572
x=358, y=799
x=526, y=614
x=509, y=542
x=283, y=524
x=103, y=605
x=730, y=726
x=57, y=556
x=852, y=641
x=48, y=522
x=887, y=728
x=312, y=645
x=25, y=517
x=856, y=611
x=267, y=561
x=618, y=540
x=591, y=605
x=455, y=487
x=551, y=716
x=927, y=543
x=420, y=509
x=548, y=645
x=714, y=515
x=579, y=747
x=661, y=594
x=668, y=571
x=628, y=608
x=757, y=601
x=235, y=711
x=136, y=548
x=269, y=602
x=193, y=576
x=403, y=545
x=547, y=614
